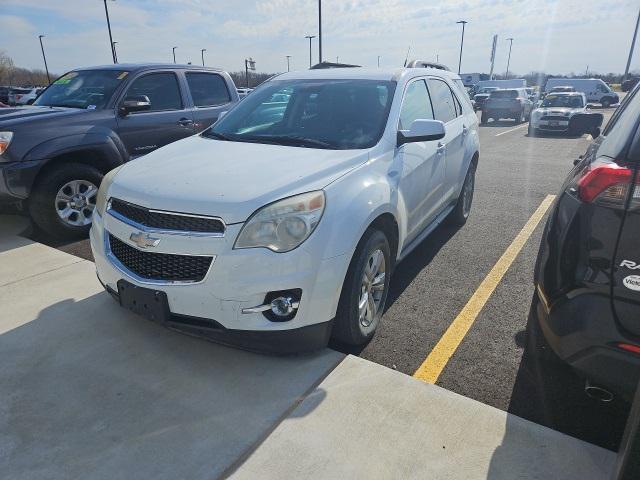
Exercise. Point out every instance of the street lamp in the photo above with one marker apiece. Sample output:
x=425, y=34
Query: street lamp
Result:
x=288, y=57
x=174, y=54
x=249, y=64
x=310, y=37
x=202, y=53
x=106, y=12
x=44, y=58
x=633, y=44
x=509, y=59
x=115, y=53
x=463, y=22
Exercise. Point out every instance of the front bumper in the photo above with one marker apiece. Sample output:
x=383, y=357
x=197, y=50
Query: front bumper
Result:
x=237, y=279
x=581, y=331
x=16, y=180
x=561, y=124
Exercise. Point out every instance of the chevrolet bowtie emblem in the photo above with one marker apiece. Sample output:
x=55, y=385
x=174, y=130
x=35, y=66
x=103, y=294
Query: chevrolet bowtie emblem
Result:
x=144, y=240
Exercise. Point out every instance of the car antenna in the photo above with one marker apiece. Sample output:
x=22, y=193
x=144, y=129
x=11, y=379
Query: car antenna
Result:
x=406, y=59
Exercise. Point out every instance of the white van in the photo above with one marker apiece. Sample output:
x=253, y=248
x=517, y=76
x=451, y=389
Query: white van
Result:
x=594, y=89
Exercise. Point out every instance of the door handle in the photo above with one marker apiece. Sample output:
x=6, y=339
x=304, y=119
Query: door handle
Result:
x=185, y=122
x=465, y=130
x=441, y=148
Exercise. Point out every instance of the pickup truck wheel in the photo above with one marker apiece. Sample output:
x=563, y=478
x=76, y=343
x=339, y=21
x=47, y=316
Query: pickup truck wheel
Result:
x=63, y=200
x=365, y=290
x=606, y=102
x=462, y=210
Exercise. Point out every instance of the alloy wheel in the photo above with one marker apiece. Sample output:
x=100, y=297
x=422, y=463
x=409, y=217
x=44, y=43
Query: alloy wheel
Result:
x=75, y=202
x=372, y=288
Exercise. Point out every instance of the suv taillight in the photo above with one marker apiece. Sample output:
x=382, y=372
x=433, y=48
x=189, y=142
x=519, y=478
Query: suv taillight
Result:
x=607, y=183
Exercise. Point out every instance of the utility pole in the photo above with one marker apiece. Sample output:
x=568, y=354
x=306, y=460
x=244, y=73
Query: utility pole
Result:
x=319, y=31
x=174, y=54
x=310, y=37
x=115, y=52
x=337, y=59
x=378, y=61
x=463, y=22
x=509, y=59
x=106, y=11
x=44, y=58
x=633, y=44
x=288, y=57
x=202, y=53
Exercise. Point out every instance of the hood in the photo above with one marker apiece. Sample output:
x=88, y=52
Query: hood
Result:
x=230, y=180
x=15, y=116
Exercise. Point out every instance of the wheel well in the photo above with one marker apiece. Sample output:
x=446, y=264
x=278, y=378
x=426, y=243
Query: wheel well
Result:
x=475, y=158
x=387, y=224
x=92, y=158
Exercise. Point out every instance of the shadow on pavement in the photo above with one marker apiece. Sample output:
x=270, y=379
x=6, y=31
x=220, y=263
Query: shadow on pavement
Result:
x=91, y=391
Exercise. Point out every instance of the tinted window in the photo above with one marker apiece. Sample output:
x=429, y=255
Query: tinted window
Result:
x=504, y=94
x=332, y=114
x=416, y=104
x=621, y=127
x=161, y=88
x=207, y=89
x=442, y=99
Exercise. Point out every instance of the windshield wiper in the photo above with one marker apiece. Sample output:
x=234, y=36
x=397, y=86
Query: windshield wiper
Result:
x=219, y=136
x=290, y=140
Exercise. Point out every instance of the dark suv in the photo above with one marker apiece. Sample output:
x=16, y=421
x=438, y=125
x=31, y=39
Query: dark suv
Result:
x=586, y=309
x=53, y=155
x=507, y=103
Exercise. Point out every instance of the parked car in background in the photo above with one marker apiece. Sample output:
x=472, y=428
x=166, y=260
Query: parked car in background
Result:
x=586, y=308
x=533, y=94
x=512, y=103
x=629, y=83
x=91, y=120
x=28, y=97
x=16, y=94
x=243, y=92
x=562, y=88
x=482, y=96
x=594, y=89
x=510, y=83
x=279, y=231
x=555, y=112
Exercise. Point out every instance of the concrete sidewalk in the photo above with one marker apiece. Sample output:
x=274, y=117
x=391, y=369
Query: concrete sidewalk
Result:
x=90, y=391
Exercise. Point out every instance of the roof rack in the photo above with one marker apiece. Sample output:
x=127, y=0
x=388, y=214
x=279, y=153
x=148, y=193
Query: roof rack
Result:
x=427, y=64
x=323, y=65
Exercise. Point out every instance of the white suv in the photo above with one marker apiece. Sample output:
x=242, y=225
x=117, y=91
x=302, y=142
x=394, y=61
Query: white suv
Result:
x=280, y=225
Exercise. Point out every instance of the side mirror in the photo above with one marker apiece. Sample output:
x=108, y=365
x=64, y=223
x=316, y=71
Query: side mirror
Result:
x=135, y=103
x=422, y=131
x=590, y=123
x=577, y=160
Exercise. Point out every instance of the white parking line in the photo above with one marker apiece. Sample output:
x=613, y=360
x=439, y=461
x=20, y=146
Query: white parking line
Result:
x=521, y=126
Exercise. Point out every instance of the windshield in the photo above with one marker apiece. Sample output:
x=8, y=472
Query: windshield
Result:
x=504, y=94
x=566, y=101
x=333, y=114
x=90, y=89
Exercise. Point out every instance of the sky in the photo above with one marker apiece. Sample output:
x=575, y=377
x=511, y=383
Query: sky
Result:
x=555, y=36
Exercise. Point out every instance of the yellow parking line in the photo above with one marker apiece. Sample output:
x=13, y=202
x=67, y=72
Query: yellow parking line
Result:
x=435, y=362
x=512, y=130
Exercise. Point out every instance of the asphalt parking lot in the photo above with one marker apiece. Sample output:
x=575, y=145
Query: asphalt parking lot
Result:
x=516, y=174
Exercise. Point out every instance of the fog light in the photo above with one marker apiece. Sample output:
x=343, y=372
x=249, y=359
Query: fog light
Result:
x=283, y=306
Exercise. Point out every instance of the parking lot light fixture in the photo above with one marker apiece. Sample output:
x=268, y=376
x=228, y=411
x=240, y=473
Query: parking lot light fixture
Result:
x=509, y=58
x=463, y=22
x=106, y=12
x=174, y=54
x=310, y=37
x=202, y=53
x=44, y=58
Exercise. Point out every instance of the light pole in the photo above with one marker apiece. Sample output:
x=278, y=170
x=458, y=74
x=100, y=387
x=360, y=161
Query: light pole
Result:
x=106, y=12
x=288, y=57
x=202, y=53
x=633, y=44
x=378, y=61
x=115, y=53
x=174, y=54
x=509, y=58
x=44, y=58
x=319, y=31
x=249, y=64
x=463, y=22
x=310, y=37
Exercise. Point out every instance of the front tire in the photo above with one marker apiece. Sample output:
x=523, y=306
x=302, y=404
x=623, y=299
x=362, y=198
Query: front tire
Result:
x=365, y=290
x=484, y=118
x=606, y=102
x=63, y=200
x=462, y=210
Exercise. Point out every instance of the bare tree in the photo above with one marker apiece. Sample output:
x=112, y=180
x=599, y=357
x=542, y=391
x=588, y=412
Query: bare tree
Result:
x=6, y=68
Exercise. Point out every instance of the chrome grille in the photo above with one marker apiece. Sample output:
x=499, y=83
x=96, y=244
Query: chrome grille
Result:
x=160, y=266
x=167, y=221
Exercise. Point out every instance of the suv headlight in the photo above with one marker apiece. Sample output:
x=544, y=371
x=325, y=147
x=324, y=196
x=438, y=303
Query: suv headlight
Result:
x=5, y=140
x=283, y=225
x=107, y=180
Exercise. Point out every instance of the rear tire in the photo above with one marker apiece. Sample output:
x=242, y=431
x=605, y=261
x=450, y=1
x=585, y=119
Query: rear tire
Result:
x=365, y=290
x=462, y=210
x=65, y=180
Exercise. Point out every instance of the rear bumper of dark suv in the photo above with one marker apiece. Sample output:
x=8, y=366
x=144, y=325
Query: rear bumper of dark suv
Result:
x=580, y=331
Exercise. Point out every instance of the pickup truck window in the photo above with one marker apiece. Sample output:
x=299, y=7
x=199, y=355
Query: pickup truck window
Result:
x=161, y=88
x=82, y=89
x=207, y=89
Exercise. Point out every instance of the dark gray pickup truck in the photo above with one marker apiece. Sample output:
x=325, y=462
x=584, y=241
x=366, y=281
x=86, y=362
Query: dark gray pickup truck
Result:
x=53, y=155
